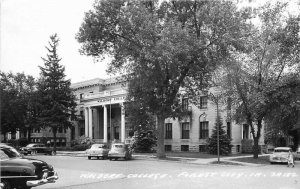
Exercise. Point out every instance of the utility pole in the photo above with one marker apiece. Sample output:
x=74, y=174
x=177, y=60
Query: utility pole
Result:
x=218, y=137
x=216, y=101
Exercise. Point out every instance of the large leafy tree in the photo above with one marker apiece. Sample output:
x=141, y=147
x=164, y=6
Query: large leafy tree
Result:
x=162, y=46
x=56, y=99
x=15, y=90
x=261, y=78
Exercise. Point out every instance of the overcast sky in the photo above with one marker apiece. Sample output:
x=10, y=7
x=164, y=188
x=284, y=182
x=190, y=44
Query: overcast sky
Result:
x=25, y=29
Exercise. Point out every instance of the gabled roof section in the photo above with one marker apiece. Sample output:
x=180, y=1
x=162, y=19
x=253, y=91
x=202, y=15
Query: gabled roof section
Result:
x=83, y=84
x=97, y=82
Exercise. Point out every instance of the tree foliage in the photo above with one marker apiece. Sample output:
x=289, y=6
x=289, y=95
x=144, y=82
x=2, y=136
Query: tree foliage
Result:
x=56, y=99
x=162, y=46
x=16, y=90
x=224, y=140
x=259, y=80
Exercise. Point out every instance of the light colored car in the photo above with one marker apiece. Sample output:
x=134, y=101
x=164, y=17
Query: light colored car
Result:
x=297, y=153
x=280, y=155
x=98, y=151
x=120, y=150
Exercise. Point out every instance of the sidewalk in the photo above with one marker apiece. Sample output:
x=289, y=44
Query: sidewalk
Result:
x=201, y=161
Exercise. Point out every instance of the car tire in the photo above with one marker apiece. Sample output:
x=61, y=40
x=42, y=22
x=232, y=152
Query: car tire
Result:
x=98, y=157
x=53, y=153
x=6, y=184
x=89, y=157
x=110, y=159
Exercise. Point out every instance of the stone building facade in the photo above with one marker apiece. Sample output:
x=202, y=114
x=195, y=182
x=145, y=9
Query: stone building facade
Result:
x=102, y=118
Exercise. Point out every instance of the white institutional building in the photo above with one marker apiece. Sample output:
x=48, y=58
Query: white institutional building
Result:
x=102, y=118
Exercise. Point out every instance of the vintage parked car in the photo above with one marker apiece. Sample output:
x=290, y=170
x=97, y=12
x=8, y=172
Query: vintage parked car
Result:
x=280, y=155
x=35, y=148
x=98, y=150
x=297, y=153
x=20, y=172
x=120, y=150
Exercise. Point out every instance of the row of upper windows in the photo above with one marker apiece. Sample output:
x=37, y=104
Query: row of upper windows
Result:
x=203, y=101
x=38, y=130
x=185, y=130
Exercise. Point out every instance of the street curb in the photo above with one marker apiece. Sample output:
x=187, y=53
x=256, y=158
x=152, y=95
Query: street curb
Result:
x=197, y=161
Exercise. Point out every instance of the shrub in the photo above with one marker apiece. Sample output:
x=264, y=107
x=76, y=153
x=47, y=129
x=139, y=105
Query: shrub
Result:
x=144, y=143
x=224, y=140
x=80, y=147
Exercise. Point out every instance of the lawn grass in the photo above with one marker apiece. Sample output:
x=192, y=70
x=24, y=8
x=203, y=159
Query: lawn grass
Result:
x=259, y=160
x=201, y=155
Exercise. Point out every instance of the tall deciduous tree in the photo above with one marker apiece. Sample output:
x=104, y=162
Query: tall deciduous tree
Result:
x=15, y=90
x=254, y=79
x=162, y=46
x=57, y=102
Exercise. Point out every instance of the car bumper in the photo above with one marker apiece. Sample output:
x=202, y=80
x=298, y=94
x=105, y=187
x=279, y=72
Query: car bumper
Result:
x=117, y=155
x=51, y=179
x=97, y=155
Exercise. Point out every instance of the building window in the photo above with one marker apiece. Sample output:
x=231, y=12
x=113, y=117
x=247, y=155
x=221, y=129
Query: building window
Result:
x=81, y=96
x=184, y=148
x=81, y=114
x=202, y=148
x=37, y=130
x=168, y=148
x=229, y=129
x=203, y=129
x=13, y=135
x=203, y=102
x=116, y=132
x=185, y=104
x=185, y=130
x=238, y=148
x=82, y=131
x=168, y=131
x=245, y=131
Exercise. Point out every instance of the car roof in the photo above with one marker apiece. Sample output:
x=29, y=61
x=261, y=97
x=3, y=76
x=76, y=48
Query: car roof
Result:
x=282, y=148
x=5, y=145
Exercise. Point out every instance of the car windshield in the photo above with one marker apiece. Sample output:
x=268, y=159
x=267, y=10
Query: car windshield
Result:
x=6, y=153
x=118, y=146
x=281, y=150
x=30, y=145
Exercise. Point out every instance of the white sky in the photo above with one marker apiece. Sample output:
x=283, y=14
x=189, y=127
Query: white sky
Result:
x=25, y=29
x=26, y=26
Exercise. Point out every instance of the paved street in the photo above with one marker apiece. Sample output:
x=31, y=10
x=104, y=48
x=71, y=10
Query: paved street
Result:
x=78, y=172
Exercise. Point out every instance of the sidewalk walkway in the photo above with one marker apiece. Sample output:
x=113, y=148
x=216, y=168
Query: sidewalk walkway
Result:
x=201, y=161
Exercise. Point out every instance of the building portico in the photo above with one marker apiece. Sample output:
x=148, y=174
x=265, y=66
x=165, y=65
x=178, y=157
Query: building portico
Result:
x=105, y=122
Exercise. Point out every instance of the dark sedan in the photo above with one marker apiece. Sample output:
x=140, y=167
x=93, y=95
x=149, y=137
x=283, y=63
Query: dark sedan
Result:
x=20, y=172
x=36, y=148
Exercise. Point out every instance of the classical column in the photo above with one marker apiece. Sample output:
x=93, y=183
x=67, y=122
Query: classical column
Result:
x=105, y=124
x=122, y=123
x=96, y=123
x=17, y=134
x=86, y=125
x=90, y=123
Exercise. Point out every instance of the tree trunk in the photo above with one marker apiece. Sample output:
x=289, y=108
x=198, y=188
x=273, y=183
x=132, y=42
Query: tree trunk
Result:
x=161, y=137
x=255, y=148
x=4, y=137
x=29, y=134
x=54, y=136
